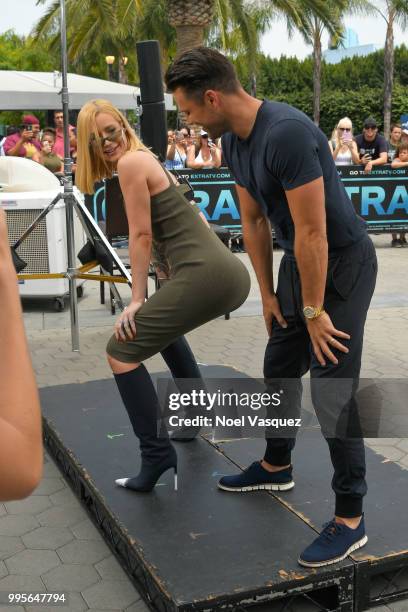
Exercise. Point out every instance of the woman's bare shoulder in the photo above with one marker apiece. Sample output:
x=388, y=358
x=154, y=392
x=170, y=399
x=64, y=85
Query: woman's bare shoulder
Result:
x=144, y=161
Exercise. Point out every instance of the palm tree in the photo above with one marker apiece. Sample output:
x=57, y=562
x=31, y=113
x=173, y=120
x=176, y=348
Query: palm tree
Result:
x=395, y=11
x=113, y=24
x=312, y=30
x=190, y=18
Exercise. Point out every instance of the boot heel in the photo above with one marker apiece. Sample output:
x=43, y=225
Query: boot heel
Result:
x=175, y=479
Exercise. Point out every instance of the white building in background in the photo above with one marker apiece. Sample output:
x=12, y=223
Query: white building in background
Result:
x=349, y=48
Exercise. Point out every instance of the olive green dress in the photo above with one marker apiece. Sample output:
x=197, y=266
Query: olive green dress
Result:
x=206, y=279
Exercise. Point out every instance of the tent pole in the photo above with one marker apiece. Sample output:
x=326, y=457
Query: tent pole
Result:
x=68, y=188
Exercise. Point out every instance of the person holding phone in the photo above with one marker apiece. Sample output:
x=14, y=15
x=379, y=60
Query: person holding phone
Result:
x=25, y=143
x=49, y=159
x=209, y=155
x=342, y=144
x=372, y=146
x=176, y=150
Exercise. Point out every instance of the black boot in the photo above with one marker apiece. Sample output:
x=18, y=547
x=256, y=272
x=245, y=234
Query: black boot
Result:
x=187, y=376
x=158, y=455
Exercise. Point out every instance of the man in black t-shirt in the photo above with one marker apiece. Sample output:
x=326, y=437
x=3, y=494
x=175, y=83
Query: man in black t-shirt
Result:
x=286, y=176
x=372, y=147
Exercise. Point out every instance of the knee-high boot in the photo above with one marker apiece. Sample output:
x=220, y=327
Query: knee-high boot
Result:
x=184, y=368
x=158, y=455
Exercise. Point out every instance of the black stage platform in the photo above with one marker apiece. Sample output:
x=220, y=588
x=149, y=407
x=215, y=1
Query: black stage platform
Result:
x=203, y=549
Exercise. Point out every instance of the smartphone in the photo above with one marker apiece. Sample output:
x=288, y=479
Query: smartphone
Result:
x=347, y=136
x=28, y=127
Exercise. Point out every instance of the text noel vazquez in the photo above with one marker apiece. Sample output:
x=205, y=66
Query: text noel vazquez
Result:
x=223, y=421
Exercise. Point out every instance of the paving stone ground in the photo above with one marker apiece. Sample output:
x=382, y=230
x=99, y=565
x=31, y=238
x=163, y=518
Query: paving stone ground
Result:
x=47, y=542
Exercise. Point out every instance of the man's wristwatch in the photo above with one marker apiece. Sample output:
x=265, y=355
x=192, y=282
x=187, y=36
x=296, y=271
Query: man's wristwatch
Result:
x=311, y=312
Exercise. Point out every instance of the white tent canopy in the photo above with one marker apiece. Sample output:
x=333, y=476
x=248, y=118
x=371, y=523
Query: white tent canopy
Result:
x=41, y=91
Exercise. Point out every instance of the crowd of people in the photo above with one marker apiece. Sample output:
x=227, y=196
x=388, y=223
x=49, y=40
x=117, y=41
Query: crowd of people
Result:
x=189, y=149
x=314, y=316
x=370, y=149
x=44, y=146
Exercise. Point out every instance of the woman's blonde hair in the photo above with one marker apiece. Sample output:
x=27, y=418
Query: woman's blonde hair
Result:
x=335, y=134
x=91, y=165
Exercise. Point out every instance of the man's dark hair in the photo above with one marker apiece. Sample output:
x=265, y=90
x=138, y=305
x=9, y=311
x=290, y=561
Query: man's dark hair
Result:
x=201, y=69
x=395, y=125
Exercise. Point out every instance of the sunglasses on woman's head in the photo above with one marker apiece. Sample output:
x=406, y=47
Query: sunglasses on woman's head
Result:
x=342, y=129
x=100, y=142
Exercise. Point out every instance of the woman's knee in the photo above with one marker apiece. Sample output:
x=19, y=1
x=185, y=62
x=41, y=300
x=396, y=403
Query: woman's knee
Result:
x=120, y=367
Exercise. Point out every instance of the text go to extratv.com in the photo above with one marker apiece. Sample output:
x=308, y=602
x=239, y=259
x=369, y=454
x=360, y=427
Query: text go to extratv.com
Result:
x=221, y=403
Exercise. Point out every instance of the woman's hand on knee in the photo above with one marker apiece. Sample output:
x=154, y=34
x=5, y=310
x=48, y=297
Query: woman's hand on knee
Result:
x=125, y=326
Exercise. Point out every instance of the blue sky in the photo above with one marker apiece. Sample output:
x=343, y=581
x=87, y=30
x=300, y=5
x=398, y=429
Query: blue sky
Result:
x=22, y=14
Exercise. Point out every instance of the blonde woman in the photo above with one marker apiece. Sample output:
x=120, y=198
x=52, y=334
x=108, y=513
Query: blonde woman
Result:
x=206, y=279
x=342, y=144
x=209, y=155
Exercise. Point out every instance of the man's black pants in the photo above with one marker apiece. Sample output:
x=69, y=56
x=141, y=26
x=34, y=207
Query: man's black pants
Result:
x=350, y=285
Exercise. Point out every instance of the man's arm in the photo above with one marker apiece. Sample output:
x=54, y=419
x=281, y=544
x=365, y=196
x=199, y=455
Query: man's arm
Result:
x=14, y=151
x=383, y=159
x=258, y=243
x=307, y=208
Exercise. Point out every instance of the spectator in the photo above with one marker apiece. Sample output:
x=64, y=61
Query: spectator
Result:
x=49, y=159
x=188, y=137
x=209, y=155
x=25, y=143
x=21, y=455
x=400, y=161
x=401, y=156
x=59, y=141
x=394, y=141
x=342, y=144
x=11, y=129
x=404, y=136
x=176, y=150
x=372, y=147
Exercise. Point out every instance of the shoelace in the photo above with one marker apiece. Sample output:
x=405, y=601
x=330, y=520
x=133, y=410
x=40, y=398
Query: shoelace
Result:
x=331, y=530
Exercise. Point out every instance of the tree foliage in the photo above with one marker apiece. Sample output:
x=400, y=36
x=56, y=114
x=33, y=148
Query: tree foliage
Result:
x=353, y=87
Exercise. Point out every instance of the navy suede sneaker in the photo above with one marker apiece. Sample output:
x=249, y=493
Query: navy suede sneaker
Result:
x=335, y=542
x=256, y=478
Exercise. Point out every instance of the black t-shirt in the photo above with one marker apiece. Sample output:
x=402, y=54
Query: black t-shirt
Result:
x=373, y=148
x=286, y=150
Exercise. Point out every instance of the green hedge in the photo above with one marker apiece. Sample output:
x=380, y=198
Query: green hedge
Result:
x=353, y=87
x=357, y=105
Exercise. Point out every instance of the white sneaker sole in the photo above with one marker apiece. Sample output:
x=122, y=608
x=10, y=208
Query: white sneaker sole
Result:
x=286, y=486
x=355, y=546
